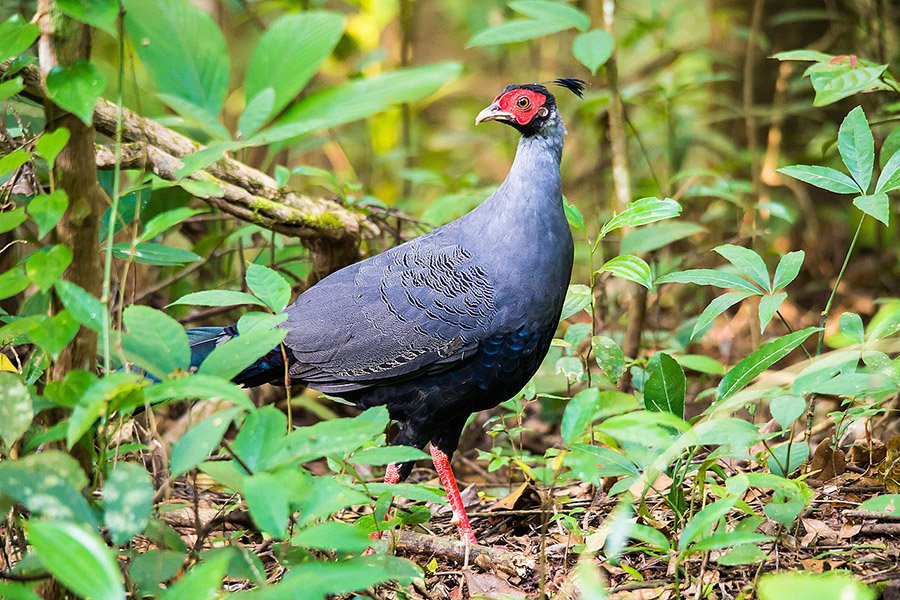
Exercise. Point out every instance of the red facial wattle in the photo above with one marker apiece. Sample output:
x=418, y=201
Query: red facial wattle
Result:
x=522, y=104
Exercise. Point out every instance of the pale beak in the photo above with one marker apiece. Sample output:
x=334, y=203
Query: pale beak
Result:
x=493, y=113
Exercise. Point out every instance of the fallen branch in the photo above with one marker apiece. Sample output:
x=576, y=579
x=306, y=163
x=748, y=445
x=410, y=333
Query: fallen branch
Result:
x=452, y=549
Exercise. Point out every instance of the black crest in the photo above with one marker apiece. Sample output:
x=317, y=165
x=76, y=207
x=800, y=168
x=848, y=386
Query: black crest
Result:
x=576, y=86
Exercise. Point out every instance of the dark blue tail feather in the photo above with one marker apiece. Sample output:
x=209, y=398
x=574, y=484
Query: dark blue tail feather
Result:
x=268, y=369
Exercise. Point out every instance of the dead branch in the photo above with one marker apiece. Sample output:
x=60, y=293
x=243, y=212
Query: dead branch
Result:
x=451, y=549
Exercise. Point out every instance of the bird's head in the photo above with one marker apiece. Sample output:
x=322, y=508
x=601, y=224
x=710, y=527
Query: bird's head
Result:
x=528, y=107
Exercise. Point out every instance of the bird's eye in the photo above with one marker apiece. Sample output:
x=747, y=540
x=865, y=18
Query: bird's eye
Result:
x=523, y=102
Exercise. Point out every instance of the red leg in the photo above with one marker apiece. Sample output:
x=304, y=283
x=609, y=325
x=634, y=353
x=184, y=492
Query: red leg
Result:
x=442, y=465
x=391, y=476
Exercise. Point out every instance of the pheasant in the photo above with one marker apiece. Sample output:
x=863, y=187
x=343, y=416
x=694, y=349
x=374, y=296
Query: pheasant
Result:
x=449, y=323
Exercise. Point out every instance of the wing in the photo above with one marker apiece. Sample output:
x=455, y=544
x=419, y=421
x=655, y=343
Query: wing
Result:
x=420, y=307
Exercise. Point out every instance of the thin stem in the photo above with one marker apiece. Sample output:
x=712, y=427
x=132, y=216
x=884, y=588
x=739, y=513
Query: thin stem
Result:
x=837, y=284
x=116, y=188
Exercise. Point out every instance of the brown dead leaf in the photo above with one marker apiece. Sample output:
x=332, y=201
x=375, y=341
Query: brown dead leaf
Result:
x=848, y=530
x=488, y=585
x=867, y=455
x=827, y=462
x=510, y=501
x=817, y=529
x=890, y=468
x=812, y=565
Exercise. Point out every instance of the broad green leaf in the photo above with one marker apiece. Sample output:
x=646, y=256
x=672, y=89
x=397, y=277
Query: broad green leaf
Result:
x=203, y=158
x=787, y=408
x=787, y=269
x=519, y=30
x=336, y=437
x=197, y=386
x=153, y=254
x=76, y=88
x=48, y=484
x=383, y=455
x=804, y=55
x=822, y=177
x=182, y=48
x=18, y=591
x=642, y=212
x=54, y=333
x=578, y=414
x=857, y=147
x=14, y=160
x=720, y=540
x=787, y=502
x=51, y=143
x=166, y=220
x=201, y=117
x=665, y=385
x=127, y=501
x=889, y=149
x=877, y=206
x=836, y=82
x=15, y=409
x=654, y=237
x=630, y=267
x=13, y=281
x=745, y=554
x=256, y=113
x=238, y=353
x=155, y=341
x=260, y=437
x=78, y=558
x=851, y=326
x=285, y=61
x=700, y=525
x=358, y=99
x=593, y=49
x=269, y=503
x=201, y=581
x=748, y=262
x=578, y=298
x=268, y=286
x=748, y=369
x=574, y=216
x=716, y=308
x=829, y=585
x=701, y=364
x=47, y=265
x=218, y=298
x=713, y=277
x=768, y=306
x=97, y=13
x=47, y=210
x=609, y=356
x=316, y=579
x=545, y=10
x=99, y=398
x=889, y=179
x=886, y=504
x=152, y=567
x=16, y=36
x=11, y=219
x=200, y=440
x=85, y=307
x=333, y=535
x=11, y=87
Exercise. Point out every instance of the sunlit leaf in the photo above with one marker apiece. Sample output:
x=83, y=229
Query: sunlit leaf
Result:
x=76, y=88
x=127, y=501
x=768, y=306
x=716, y=308
x=857, y=147
x=593, y=49
x=877, y=206
x=787, y=269
x=519, y=30
x=665, y=385
x=97, y=13
x=16, y=36
x=200, y=440
x=748, y=261
x=268, y=286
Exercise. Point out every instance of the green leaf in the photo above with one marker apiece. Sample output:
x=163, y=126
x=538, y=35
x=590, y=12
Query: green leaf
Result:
x=654, y=237
x=578, y=298
x=857, y=147
x=701, y=364
x=76, y=88
x=197, y=386
x=877, y=206
x=788, y=455
x=285, y=61
x=836, y=82
x=127, y=502
x=202, y=581
x=574, y=216
x=851, y=326
x=745, y=554
x=593, y=49
x=358, y=99
x=886, y=504
x=520, y=30
x=11, y=219
x=748, y=262
x=16, y=36
x=47, y=210
x=14, y=160
x=768, y=306
x=201, y=117
x=256, y=113
x=702, y=522
x=545, y=10
x=151, y=568
x=716, y=308
x=336, y=437
x=642, y=212
x=889, y=179
x=822, y=177
x=260, y=437
x=78, y=558
x=238, y=353
x=218, y=298
x=665, y=385
x=578, y=415
x=148, y=253
x=13, y=281
x=315, y=579
x=54, y=333
x=166, y=220
x=182, y=48
x=383, y=455
x=748, y=369
x=609, y=356
x=333, y=535
x=630, y=267
x=51, y=143
x=787, y=269
x=787, y=408
x=155, y=341
x=98, y=399
x=85, y=307
x=11, y=87
x=804, y=55
x=101, y=14
x=15, y=410
x=200, y=440
x=830, y=585
x=47, y=265
x=268, y=286
x=269, y=503
x=713, y=277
